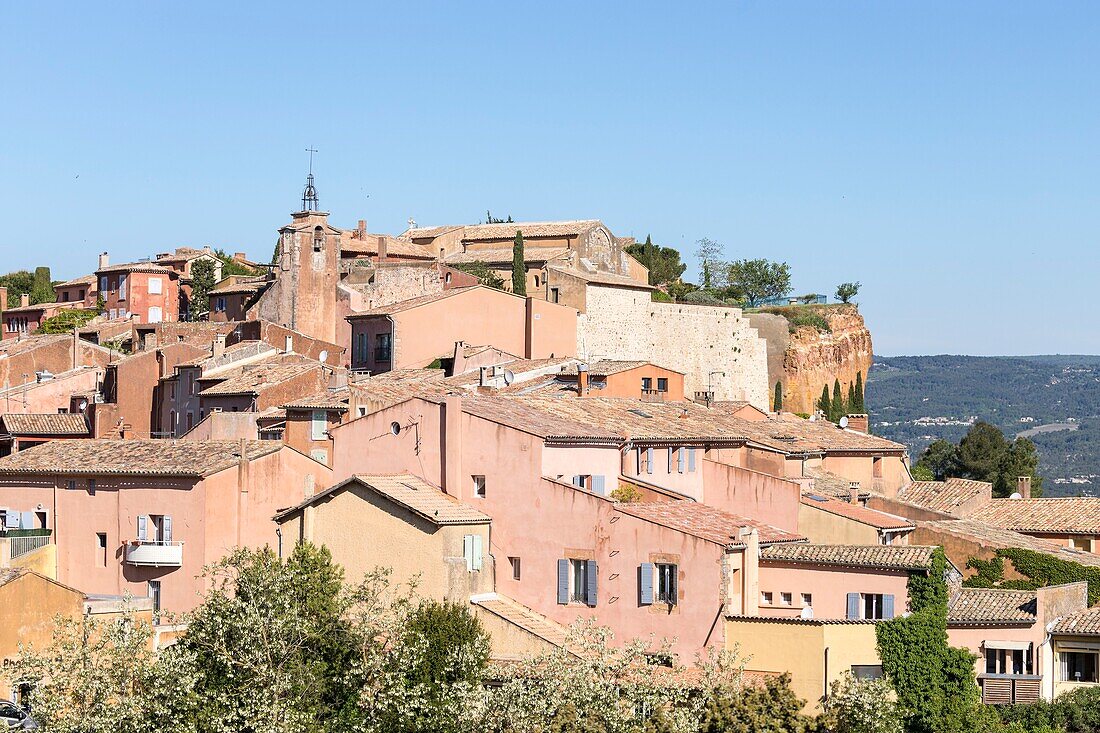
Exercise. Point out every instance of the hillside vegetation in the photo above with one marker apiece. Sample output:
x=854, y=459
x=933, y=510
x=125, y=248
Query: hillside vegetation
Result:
x=1053, y=400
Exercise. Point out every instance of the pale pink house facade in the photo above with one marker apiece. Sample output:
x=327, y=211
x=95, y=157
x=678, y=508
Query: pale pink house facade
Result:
x=145, y=516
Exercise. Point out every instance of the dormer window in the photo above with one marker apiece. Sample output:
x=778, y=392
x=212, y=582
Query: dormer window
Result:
x=318, y=239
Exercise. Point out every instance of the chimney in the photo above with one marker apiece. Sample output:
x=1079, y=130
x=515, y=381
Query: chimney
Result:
x=582, y=380
x=103, y=260
x=289, y=344
x=381, y=248
x=218, y=347
x=206, y=249
x=162, y=365
x=857, y=422
x=240, y=256
x=361, y=230
x=458, y=361
x=750, y=562
x=24, y=300
x=3, y=299
x=1023, y=486
x=452, y=446
x=853, y=492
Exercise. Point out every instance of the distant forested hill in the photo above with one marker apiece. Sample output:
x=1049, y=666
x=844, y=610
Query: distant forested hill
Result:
x=1054, y=400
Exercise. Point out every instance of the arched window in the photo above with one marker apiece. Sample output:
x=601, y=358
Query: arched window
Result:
x=318, y=239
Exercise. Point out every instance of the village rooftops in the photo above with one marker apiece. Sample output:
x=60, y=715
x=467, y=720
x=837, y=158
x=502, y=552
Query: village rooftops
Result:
x=138, y=267
x=333, y=399
x=50, y=423
x=82, y=280
x=609, y=367
x=489, y=232
x=42, y=306
x=986, y=534
x=604, y=278
x=705, y=522
x=135, y=457
x=857, y=512
x=353, y=246
x=793, y=434
x=14, y=347
x=504, y=255
x=1061, y=515
x=1082, y=623
x=245, y=284
x=991, y=606
x=410, y=492
x=882, y=557
x=404, y=305
x=252, y=379
x=949, y=497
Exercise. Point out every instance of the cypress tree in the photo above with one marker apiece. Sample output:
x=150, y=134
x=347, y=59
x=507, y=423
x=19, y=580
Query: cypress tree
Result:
x=778, y=401
x=519, y=272
x=859, y=406
x=823, y=403
x=852, y=397
x=42, y=287
x=836, y=409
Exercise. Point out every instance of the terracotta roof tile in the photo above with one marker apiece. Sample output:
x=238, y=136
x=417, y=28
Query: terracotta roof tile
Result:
x=82, y=280
x=1063, y=515
x=607, y=367
x=1082, y=623
x=793, y=434
x=705, y=522
x=336, y=399
x=410, y=492
x=996, y=537
x=604, y=278
x=132, y=457
x=944, y=496
x=890, y=557
x=404, y=305
x=530, y=229
x=50, y=423
x=991, y=605
x=252, y=379
x=138, y=267
x=504, y=256
x=856, y=512
x=522, y=617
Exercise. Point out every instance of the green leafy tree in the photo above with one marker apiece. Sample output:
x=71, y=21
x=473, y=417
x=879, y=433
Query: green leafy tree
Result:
x=231, y=266
x=1020, y=459
x=484, y=274
x=981, y=451
x=846, y=291
x=663, y=263
x=490, y=219
x=860, y=406
x=17, y=283
x=42, y=288
x=67, y=321
x=922, y=472
x=941, y=459
x=836, y=406
x=777, y=402
x=519, y=268
x=709, y=254
x=678, y=290
x=824, y=404
x=771, y=706
x=760, y=279
x=202, y=282
x=861, y=706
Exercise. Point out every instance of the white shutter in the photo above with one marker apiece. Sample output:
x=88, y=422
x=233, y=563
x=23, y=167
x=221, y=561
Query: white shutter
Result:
x=166, y=528
x=142, y=527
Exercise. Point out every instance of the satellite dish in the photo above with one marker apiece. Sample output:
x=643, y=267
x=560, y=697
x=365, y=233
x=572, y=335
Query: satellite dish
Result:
x=509, y=377
x=1016, y=495
x=807, y=612
x=323, y=356
x=84, y=404
x=844, y=421
x=395, y=427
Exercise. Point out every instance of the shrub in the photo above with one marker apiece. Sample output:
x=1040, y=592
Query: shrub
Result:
x=702, y=297
x=66, y=321
x=627, y=494
x=661, y=296
x=812, y=320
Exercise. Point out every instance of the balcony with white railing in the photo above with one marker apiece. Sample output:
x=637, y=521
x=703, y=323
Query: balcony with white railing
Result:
x=154, y=553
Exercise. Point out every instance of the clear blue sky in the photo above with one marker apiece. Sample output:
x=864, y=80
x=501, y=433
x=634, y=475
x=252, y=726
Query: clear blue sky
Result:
x=945, y=154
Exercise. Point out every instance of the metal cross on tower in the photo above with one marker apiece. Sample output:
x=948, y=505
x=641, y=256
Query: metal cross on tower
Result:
x=309, y=195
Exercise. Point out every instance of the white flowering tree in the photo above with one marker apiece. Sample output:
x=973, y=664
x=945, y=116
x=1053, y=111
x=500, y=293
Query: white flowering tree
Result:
x=861, y=706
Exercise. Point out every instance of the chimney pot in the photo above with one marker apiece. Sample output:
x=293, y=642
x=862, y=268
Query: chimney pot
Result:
x=240, y=256
x=24, y=300
x=858, y=422
x=853, y=492
x=104, y=260
x=582, y=380
x=381, y=248
x=1023, y=486
x=218, y=347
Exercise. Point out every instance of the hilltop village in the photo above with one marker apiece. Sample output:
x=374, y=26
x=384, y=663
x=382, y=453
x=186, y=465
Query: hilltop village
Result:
x=565, y=446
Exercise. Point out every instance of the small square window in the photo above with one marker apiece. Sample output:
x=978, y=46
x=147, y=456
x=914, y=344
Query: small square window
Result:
x=807, y=600
x=72, y=485
x=662, y=384
x=479, y=486
x=765, y=598
x=785, y=599
x=514, y=562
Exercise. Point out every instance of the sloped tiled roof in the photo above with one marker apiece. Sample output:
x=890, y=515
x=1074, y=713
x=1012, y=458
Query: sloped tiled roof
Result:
x=793, y=434
x=404, y=305
x=604, y=278
x=333, y=399
x=530, y=229
x=138, y=267
x=50, y=423
x=136, y=457
x=522, y=617
x=504, y=256
x=856, y=512
x=352, y=246
x=943, y=496
x=608, y=367
x=705, y=522
x=410, y=492
x=1062, y=515
x=888, y=557
x=1082, y=623
x=991, y=606
x=241, y=285
x=42, y=307
x=254, y=378
x=82, y=280
x=996, y=537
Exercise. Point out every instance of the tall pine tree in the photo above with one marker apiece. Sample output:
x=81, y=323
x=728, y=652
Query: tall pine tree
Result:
x=836, y=408
x=519, y=271
x=859, y=407
x=823, y=403
x=852, y=397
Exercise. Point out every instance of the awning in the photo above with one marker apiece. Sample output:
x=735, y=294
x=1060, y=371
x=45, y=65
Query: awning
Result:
x=1016, y=645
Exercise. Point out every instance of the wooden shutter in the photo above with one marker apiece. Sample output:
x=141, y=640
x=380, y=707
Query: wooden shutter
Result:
x=691, y=460
x=590, y=596
x=563, y=582
x=142, y=527
x=645, y=584
x=598, y=486
x=853, y=606
x=680, y=460
x=478, y=555
x=166, y=528
x=649, y=460
x=888, y=607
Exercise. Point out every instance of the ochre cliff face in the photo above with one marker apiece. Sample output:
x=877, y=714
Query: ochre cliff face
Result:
x=814, y=359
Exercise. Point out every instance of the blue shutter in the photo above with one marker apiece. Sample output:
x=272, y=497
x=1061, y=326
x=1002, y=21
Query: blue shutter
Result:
x=598, y=486
x=671, y=452
x=26, y=520
x=649, y=460
x=578, y=481
x=888, y=607
x=645, y=584
x=680, y=460
x=563, y=582
x=590, y=596
x=691, y=460
x=11, y=519
x=853, y=606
